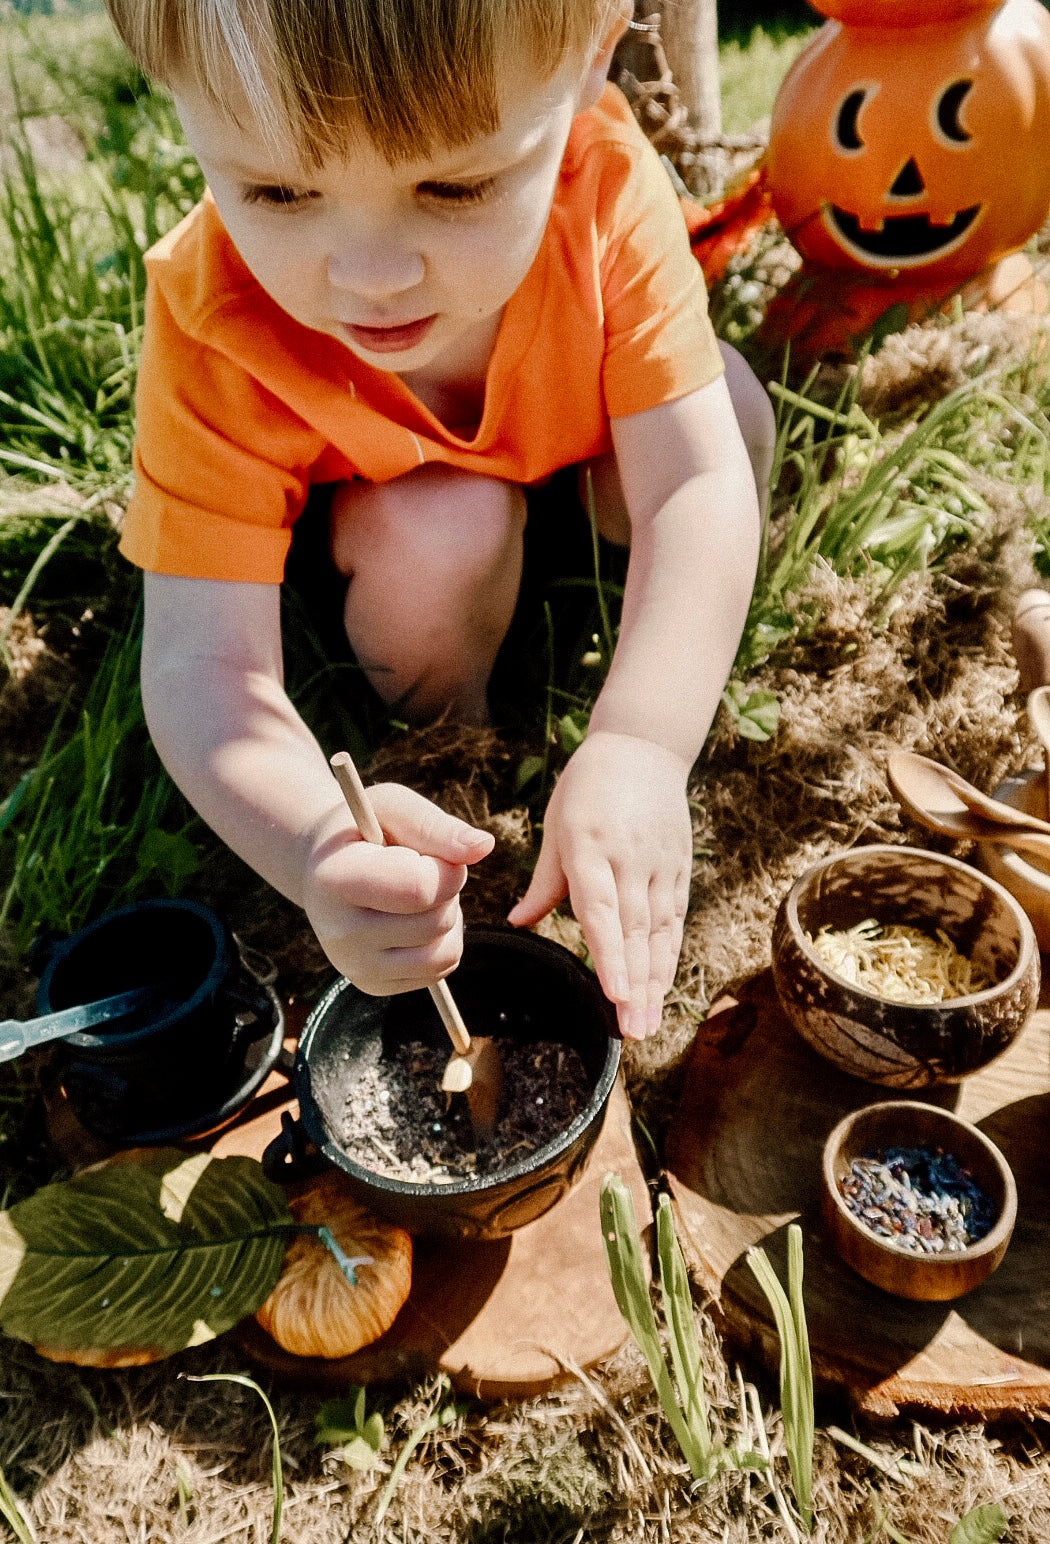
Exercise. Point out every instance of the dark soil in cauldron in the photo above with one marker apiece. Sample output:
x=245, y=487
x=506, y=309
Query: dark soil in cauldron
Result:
x=399, y=1123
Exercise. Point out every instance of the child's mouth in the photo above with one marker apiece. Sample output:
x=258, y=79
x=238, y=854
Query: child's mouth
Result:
x=390, y=340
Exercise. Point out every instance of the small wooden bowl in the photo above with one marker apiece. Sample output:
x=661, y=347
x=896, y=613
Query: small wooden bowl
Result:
x=905, y=1045
x=1024, y=876
x=904, y=1123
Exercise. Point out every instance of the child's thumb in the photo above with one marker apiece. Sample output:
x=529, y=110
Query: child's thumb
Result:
x=409, y=820
x=547, y=887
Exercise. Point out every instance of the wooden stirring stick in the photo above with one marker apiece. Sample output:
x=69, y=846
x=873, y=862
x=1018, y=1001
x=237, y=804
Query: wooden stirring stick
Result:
x=475, y=1068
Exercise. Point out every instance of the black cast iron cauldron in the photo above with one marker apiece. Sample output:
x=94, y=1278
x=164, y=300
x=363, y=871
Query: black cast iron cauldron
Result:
x=181, y=1069
x=545, y=992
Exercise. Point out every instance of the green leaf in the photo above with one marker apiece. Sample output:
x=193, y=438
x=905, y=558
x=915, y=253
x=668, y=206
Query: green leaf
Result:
x=680, y=1317
x=165, y=1252
x=361, y=1452
x=754, y=713
x=893, y=319
x=796, y=1368
x=340, y=1419
x=11, y=1512
x=984, y=1525
x=572, y=729
x=344, y=1424
x=631, y=1290
x=529, y=767
x=168, y=857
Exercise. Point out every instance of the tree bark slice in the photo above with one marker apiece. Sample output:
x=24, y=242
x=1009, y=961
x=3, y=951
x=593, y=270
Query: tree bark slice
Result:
x=743, y=1155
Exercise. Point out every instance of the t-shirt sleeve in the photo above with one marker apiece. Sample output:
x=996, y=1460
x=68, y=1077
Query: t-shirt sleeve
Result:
x=659, y=341
x=221, y=465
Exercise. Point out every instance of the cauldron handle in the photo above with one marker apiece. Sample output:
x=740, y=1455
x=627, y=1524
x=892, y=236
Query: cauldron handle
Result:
x=290, y=1155
x=256, y=1009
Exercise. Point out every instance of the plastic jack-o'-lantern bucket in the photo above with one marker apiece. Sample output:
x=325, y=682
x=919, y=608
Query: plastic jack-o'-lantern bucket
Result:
x=907, y=161
x=910, y=139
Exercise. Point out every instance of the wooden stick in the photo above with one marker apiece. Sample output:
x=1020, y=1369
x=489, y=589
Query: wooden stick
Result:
x=349, y=780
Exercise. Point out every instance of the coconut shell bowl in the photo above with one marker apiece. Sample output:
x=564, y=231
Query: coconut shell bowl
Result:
x=908, y=1258
x=905, y=1044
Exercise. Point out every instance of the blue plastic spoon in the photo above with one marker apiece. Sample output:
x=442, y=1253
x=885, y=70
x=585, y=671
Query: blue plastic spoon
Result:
x=19, y=1035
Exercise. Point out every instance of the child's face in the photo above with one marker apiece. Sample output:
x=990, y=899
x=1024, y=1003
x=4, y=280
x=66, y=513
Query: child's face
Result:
x=410, y=265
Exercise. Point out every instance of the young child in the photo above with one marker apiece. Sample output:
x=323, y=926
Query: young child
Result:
x=437, y=262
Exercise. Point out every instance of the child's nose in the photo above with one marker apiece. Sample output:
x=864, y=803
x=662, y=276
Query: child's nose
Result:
x=374, y=269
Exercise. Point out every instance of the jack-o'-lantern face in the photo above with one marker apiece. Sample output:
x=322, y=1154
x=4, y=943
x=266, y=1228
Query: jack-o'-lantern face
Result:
x=916, y=148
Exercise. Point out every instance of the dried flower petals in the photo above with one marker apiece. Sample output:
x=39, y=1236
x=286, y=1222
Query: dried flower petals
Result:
x=919, y=1198
x=899, y=962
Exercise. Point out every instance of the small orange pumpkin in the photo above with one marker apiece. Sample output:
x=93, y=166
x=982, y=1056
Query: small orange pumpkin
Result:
x=909, y=136
x=313, y=1310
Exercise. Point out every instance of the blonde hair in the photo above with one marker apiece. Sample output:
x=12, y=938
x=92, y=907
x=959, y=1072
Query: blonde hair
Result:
x=409, y=73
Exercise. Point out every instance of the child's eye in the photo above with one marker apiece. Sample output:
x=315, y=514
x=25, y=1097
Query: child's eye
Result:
x=453, y=193
x=275, y=196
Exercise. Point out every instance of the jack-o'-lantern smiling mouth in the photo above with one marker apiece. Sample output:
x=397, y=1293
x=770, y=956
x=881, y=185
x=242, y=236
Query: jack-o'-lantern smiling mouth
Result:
x=902, y=240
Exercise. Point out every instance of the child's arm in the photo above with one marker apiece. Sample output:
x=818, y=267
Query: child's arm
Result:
x=212, y=687
x=617, y=836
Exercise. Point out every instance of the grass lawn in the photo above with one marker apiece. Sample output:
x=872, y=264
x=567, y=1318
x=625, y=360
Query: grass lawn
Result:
x=909, y=509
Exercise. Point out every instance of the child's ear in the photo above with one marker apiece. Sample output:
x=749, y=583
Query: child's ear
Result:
x=598, y=70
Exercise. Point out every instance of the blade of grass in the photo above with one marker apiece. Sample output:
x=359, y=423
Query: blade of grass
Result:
x=796, y=1369
x=441, y=1415
x=276, y=1470
x=631, y=1290
x=684, y=1343
x=603, y=609
x=12, y=1513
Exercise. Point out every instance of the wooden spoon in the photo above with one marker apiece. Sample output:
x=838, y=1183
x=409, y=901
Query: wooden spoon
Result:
x=929, y=794
x=1039, y=717
x=475, y=1068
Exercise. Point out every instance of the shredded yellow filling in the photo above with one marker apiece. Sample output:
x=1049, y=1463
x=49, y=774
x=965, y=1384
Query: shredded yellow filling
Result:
x=898, y=962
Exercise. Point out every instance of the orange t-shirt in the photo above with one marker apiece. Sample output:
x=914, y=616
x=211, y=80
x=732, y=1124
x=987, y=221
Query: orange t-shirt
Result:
x=240, y=409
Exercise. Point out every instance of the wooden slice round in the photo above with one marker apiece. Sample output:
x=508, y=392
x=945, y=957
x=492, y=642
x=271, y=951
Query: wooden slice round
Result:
x=744, y=1155
x=505, y=1320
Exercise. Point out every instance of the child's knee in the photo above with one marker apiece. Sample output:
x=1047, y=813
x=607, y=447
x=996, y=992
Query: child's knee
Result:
x=435, y=518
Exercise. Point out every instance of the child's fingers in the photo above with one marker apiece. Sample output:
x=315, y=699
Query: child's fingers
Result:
x=397, y=879
x=386, y=930
x=636, y=927
x=382, y=972
x=408, y=968
x=667, y=907
x=547, y=887
x=597, y=907
x=651, y=918
x=409, y=820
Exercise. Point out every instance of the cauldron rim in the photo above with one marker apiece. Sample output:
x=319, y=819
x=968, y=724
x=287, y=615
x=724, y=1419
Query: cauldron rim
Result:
x=116, y=1040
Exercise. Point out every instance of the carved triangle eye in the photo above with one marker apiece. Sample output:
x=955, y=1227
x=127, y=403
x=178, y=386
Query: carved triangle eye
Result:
x=847, y=130
x=949, y=108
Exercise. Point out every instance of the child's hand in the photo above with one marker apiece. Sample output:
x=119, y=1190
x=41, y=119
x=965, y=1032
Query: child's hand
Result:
x=617, y=839
x=389, y=917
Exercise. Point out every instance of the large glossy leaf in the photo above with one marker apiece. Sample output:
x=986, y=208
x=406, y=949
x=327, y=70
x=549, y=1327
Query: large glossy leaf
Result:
x=161, y=1250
